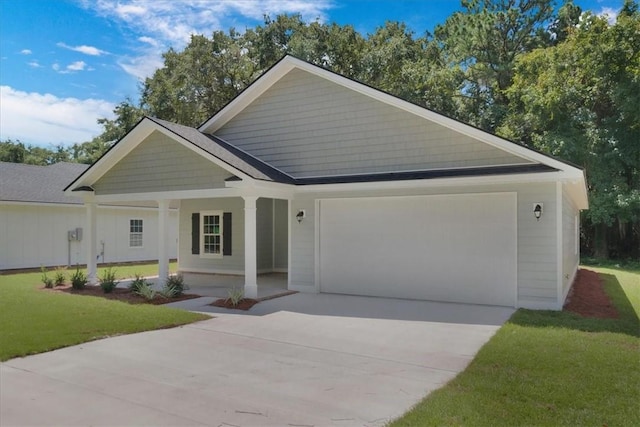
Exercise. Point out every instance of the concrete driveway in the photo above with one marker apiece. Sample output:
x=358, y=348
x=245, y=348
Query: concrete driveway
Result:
x=300, y=360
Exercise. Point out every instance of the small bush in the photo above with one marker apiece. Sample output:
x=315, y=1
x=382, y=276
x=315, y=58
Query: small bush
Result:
x=48, y=281
x=176, y=282
x=146, y=292
x=169, y=291
x=108, y=281
x=60, y=277
x=138, y=283
x=235, y=295
x=78, y=280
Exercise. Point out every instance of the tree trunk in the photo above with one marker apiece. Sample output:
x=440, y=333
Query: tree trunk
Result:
x=601, y=248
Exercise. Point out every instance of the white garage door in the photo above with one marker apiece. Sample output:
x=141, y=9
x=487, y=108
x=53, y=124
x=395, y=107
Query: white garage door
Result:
x=459, y=248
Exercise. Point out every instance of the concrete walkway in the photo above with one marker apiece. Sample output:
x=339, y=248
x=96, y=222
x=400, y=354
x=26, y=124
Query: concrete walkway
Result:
x=298, y=360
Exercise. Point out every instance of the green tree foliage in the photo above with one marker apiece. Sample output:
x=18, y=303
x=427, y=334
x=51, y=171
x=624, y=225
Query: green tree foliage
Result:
x=483, y=41
x=579, y=100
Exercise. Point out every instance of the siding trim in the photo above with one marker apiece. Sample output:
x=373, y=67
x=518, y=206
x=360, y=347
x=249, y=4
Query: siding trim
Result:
x=559, y=247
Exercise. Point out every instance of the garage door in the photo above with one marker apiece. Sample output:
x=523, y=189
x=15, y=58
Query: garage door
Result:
x=459, y=248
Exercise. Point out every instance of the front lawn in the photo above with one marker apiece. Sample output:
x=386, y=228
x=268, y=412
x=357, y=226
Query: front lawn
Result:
x=33, y=321
x=550, y=368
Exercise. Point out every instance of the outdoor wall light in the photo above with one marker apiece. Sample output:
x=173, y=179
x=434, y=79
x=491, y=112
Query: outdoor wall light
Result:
x=300, y=215
x=537, y=210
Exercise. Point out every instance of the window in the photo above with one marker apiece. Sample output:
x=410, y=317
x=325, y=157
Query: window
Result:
x=135, y=233
x=211, y=230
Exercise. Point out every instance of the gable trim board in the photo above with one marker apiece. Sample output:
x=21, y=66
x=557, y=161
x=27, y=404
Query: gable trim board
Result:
x=491, y=201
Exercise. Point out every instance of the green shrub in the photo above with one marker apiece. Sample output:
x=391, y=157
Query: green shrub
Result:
x=60, y=278
x=138, y=283
x=235, y=295
x=48, y=281
x=177, y=283
x=108, y=281
x=146, y=292
x=169, y=291
x=78, y=280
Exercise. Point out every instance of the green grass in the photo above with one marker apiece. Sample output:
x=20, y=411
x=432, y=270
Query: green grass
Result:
x=33, y=321
x=550, y=368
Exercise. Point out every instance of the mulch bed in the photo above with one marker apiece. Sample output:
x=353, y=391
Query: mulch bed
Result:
x=244, y=304
x=247, y=303
x=588, y=298
x=120, y=294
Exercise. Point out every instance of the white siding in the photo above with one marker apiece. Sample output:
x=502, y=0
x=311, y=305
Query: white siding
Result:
x=233, y=264
x=36, y=235
x=280, y=235
x=570, y=242
x=161, y=164
x=537, y=269
x=308, y=126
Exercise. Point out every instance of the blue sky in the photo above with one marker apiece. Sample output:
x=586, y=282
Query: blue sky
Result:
x=66, y=63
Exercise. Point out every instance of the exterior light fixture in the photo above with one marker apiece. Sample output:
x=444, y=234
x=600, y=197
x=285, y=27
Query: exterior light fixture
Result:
x=301, y=215
x=537, y=210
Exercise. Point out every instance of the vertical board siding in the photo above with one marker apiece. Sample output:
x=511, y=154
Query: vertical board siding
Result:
x=160, y=163
x=536, y=258
x=264, y=243
x=280, y=235
x=33, y=236
x=308, y=126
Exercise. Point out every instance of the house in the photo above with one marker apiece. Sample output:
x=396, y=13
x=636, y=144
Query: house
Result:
x=40, y=226
x=353, y=191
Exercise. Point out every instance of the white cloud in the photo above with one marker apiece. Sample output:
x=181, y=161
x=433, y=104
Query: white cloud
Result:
x=76, y=66
x=56, y=67
x=610, y=13
x=34, y=64
x=161, y=24
x=26, y=52
x=87, y=50
x=44, y=119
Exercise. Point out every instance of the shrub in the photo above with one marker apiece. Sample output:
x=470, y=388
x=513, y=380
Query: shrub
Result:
x=60, y=278
x=108, y=281
x=138, y=283
x=177, y=283
x=235, y=295
x=78, y=279
x=48, y=281
x=147, y=292
x=169, y=291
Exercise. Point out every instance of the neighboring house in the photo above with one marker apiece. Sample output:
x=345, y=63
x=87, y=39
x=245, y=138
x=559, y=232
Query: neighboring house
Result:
x=38, y=222
x=351, y=190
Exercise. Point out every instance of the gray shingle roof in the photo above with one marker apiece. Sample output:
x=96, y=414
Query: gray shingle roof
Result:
x=42, y=184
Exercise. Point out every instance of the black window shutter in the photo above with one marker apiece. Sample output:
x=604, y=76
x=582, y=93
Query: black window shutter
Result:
x=195, y=233
x=226, y=237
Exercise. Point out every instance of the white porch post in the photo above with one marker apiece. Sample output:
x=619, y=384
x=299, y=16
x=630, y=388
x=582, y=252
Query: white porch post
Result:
x=250, y=248
x=163, y=254
x=92, y=239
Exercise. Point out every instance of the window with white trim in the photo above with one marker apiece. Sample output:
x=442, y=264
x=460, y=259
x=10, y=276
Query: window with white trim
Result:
x=211, y=234
x=135, y=233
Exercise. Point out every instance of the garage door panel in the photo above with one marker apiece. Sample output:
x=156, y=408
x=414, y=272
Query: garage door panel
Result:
x=451, y=248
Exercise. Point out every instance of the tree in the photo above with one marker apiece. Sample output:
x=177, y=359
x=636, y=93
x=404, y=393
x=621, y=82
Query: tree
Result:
x=579, y=100
x=484, y=41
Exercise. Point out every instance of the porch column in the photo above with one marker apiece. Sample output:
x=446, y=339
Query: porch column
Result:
x=163, y=254
x=250, y=248
x=92, y=240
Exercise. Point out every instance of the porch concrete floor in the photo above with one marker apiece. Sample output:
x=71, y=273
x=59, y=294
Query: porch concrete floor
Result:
x=219, y=285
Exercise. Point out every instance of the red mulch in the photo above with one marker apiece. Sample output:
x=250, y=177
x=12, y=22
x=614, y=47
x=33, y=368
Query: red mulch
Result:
x=120, y=294
x=244, y=304
x=588, y=298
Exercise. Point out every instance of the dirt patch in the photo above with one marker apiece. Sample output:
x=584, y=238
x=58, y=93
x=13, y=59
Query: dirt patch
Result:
x=588, y=298
x=120, y=294
x=244, y=304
